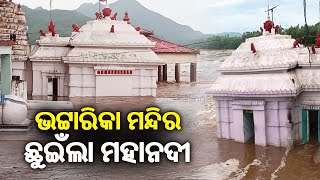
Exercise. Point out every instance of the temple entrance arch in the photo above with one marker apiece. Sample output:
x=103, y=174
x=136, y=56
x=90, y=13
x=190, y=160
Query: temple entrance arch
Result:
x=53, y=86
x=249, y=121
x=248, y=125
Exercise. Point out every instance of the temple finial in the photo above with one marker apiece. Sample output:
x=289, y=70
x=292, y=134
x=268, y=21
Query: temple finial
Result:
x=126, y=17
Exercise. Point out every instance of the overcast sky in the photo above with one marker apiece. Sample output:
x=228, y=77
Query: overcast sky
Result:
x=213, y=16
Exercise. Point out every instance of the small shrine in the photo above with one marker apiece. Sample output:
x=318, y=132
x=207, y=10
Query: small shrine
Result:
x=105, y=57
x=269, y=91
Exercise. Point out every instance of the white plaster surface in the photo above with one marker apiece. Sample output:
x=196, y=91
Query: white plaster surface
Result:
x=268, y=83
x=14, y=112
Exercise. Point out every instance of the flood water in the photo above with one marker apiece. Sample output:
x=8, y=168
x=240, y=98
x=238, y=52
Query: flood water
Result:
x=212, y=158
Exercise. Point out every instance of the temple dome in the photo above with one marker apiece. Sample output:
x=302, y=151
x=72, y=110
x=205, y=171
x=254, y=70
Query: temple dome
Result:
x=262, y=66
x=100, y=41
x=273, y=52
x=98, y=33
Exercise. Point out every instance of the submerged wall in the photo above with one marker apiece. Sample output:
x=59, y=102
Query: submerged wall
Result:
x=271, y=123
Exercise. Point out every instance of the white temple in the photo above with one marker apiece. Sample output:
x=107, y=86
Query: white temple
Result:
x=269, y=90
x=105, y=57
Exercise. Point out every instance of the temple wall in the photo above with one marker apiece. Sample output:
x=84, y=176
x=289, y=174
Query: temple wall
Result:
x=270, y=117
x=145, y=81
x=82, y=81
x=18, y=69
x=29, y=77
x=277, y=123
x=85, y=82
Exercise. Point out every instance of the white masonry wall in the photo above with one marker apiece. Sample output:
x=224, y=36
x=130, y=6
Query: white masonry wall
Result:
x=86, y=82
x=279, y=129
x=82, y=82
x=18, y=69
x=270, y=119
x=145, y=81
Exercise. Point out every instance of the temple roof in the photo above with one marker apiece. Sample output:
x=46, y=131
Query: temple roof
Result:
x=113, y=56
x=273, y=52
x=101, y=41
x=146, y=32
x=98, y=33
x=55, y=41
x=277, y=84
x=50, y=53
x=163, y=46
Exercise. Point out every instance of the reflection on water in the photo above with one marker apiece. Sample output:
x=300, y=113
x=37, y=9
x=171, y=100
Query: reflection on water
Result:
x=212, y=158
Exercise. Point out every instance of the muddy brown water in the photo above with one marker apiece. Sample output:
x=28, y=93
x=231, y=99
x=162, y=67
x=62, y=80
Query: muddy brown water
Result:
x=212, y=158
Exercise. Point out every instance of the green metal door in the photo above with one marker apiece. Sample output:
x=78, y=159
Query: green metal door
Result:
x=304, y=126
x=6, y=74
x=319, y=126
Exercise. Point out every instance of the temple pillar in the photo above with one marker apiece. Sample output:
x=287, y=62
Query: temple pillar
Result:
x=160, y=77
x=238, y=125
x=44, y=86
x=60, y=86
x=6, y=74
x=177, y=72
x=165, y=73
x=193, y=72
x=260, y=128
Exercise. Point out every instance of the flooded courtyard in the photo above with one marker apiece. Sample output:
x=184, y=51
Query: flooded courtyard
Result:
x=211, y=158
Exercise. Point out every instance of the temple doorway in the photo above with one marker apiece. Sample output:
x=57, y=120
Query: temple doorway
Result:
x=310, y=126
x=313, y=125
x=248, y=126
x=53, y=87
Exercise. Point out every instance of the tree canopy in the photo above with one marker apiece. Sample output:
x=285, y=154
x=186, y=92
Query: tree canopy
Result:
x=231, y=42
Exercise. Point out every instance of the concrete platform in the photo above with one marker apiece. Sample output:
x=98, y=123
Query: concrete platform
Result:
x=17, y=128
x=49, y=105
